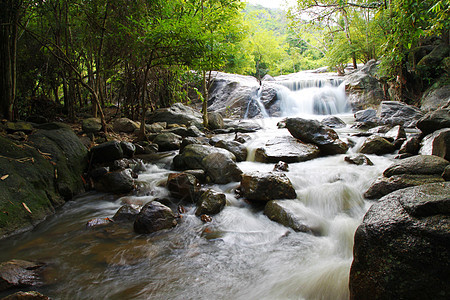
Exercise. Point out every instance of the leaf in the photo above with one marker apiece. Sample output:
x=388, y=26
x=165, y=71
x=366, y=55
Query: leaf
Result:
x=4, y=177
x=26, y=207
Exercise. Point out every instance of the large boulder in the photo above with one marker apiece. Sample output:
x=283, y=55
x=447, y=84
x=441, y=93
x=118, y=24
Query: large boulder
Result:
x=168, y=141
x=106, y=152
x=435, y=98
x=192, y=156
x=398, y=113
x=435, y=120
x=377, y=145
x=91, y=125
x=183, y=131
x=210, y=202
x=125, y=125
x=178, y=113
x=119, y=182
x=220, y=168
x=263, y=187
x=287, y=149
x=333, y=122
x=215, y=121
x=437, y=143
x=401, y=249
x=20, y=274
x=239, y=150
x=411, y=145
x=417, y=165
x=153, y=217
x=311, y=131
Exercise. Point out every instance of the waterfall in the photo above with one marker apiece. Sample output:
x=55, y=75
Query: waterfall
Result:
x=255, y=103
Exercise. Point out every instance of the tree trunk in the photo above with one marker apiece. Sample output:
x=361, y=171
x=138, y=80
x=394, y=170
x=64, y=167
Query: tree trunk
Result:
x=5, y=72
x=205, y=101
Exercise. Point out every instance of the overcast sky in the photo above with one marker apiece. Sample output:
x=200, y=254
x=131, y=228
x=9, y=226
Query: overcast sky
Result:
x=273, y=3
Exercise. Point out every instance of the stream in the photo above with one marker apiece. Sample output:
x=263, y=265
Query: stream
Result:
x=241, y=254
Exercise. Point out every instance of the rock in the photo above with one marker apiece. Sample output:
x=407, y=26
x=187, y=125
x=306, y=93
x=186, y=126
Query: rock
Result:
x=198, y=173
x=291, y=214
x=210, y=203
x=128, y=149
x=126, y=213
x=358, y=159
x=242, y=126
x=311, y=131
x=367, y=117
x=446, y=173
x=183, y=186
x=98, y=222
x=397, y=134
x=192, y=155
x=434, y=120
x=333, y=122
x=19, y=274
x=267, y=77
x=192, y=140
x=411, y=145
x=281, y=166
x=242, y=138
x=153, y=217
x=337, y=147
x=106, y=152
x=156, y=127
x=377, y=145
x=178, y=113
x=31, y=295
x=401, y=249
x=221, y=168
x=239, y=150
x=125, y=125
x=437, y=143
x=287, y=149
x=215, y=121
x=435, y=98
x=385, y=185
x=182, y=131
x=418, y=165
x=119, y=182
x=144, y=147
x=25, y=127
x=398, y=113
x=263, y=187
x=168, y=141
x=91, y=125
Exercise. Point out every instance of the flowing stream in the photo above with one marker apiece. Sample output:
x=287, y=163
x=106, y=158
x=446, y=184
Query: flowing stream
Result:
x=240, y=255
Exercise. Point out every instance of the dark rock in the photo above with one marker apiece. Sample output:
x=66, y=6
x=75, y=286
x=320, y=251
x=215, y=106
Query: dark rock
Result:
x=198, y=173
x=25, y=127
x=153, y=217
x=96, y=173
x=98, y=222
x=437, y=143
x=401, y=248
x=243, y=126
x=144, y=147
x=126, y=213
x=168, y=141
x=128, y=149
x=333, y=122
x=446, y=173
x=411, y=145
x=366, y=116
x=31, y=295
x=192, y=155
x=156, y=127
x=182, y=131
x=287, y=149
x=190, y=141
x=20, y=273
x=91, y=125
x=215, y=121
x=210, y=203
x=239, y=150
x=281, y=166
x=263, y=187
x=398, y=113
x=178, y=113
x=242, y=138
x=434, y=120
x=183, y=186
x=119, y=182
x=337, y=147
x=377, y=145
x=106, y=152
x=418, y=165
x=125, y=125
x=221, y=168
x=358, y=159
x=435, y=98
x=311, y=131
x=397, y=134
x=385, y=185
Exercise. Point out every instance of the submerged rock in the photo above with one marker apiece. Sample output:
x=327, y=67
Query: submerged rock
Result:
x=402, y=249
x=153, y=217
x=31, y=295
x=263, y=187
x=19, y=274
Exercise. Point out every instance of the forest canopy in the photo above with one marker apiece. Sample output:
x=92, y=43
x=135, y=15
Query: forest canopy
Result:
x=141, y=54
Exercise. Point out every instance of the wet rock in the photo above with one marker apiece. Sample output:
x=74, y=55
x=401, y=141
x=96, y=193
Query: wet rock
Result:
x=418, y=165
x=263, y=187
x=435, y=120
x=183, y=186
x=377, y=145
x=91, y=125
x=358, y=159
x=281, y=166
x=437, y=143
x=119, y=182
x=98, y=222
x=128, y=149
x=311, y=131
x=337, y=147
x=106, y=152
x=398, y=113
x=20, y=273
x=31, y=295
x=126, y=213
x=192, y=155
x=199, y=174
x=205, y=218
x=210, y=203
x=385, y=185
x=446, y=173
x=401, y=248
x=242, y=138
x=239, y=150
x=411, y=145
x=178, y=113
x=220, y=168
x=287, y=149
x=125, y=125
x=333, y=122
x=168, y=141
x=153, y=217
x=291, y=214
x=215, y=121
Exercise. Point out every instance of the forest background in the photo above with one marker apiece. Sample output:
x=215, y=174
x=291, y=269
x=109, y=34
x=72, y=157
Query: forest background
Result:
x=59, y=58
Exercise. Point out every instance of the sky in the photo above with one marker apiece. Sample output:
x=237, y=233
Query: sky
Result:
x=273, y=3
